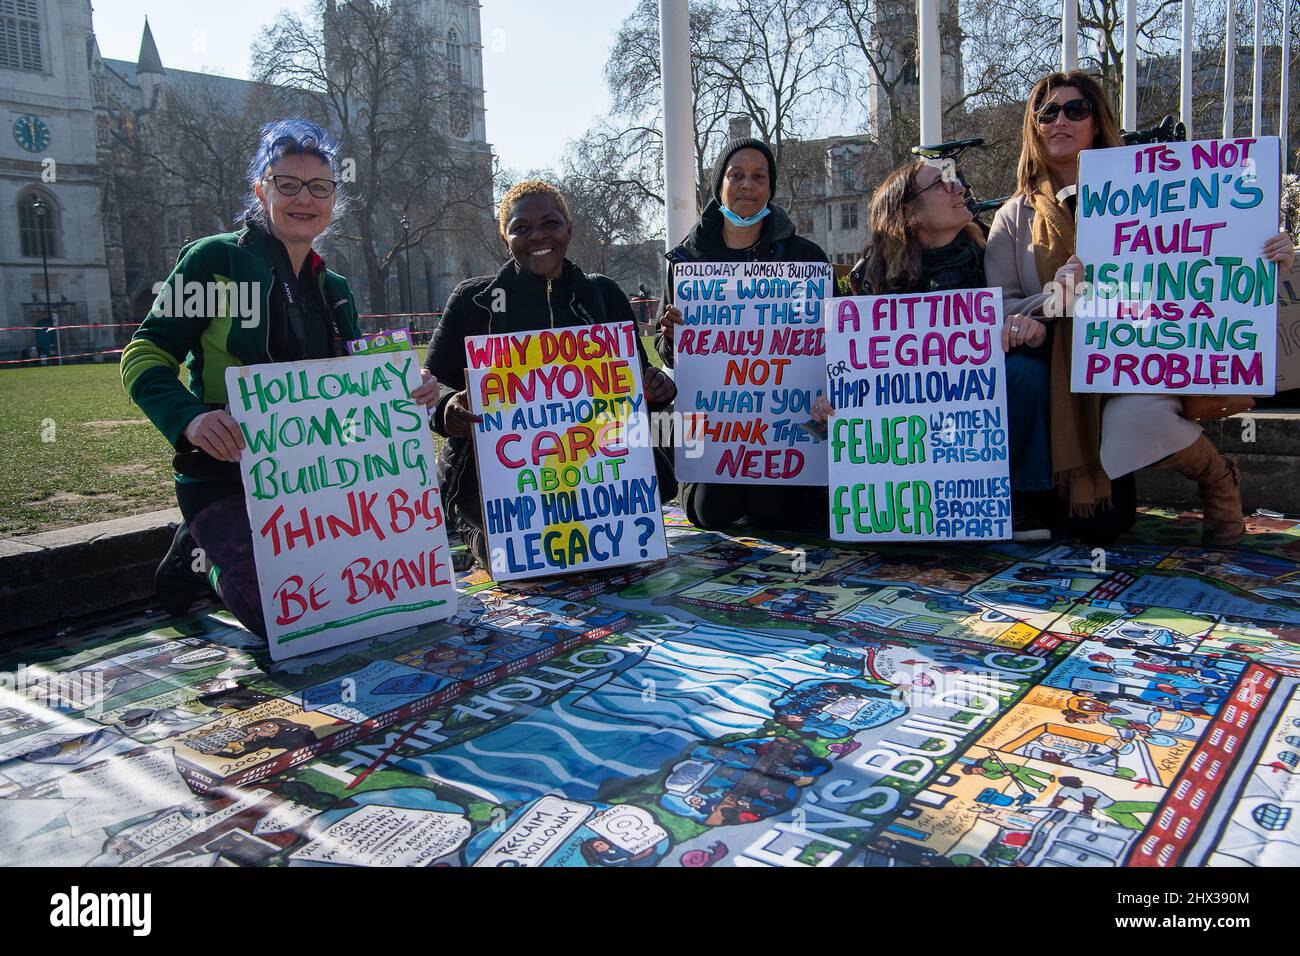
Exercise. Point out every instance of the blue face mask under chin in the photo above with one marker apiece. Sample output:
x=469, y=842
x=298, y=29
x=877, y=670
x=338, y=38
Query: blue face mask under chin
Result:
x=743, y=223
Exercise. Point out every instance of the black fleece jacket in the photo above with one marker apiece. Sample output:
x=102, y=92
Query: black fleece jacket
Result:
x=513, y=300
x=776, y=243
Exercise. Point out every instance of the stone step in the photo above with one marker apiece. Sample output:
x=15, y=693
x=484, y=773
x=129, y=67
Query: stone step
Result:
x=50, y=579
x=1265, y=431
x=1266, y=445
x=1267, y=481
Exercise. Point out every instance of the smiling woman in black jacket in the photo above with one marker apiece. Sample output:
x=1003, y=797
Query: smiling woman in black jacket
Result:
x=742, y=224
x=538, y=288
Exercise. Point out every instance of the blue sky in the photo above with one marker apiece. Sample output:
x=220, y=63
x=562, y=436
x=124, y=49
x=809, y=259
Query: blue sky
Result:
x=527, y=46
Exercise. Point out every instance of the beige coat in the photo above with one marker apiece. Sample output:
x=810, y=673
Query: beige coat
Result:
x=1136, y=430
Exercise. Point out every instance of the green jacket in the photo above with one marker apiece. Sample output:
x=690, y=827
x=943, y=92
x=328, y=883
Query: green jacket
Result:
x=195, y=320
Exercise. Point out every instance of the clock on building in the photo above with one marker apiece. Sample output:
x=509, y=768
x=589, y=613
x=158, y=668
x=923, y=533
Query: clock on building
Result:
x=32, y=133
x=460, y=120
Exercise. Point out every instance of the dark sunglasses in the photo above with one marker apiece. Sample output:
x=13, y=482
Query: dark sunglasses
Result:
x=1075, y=110
x=292, y=186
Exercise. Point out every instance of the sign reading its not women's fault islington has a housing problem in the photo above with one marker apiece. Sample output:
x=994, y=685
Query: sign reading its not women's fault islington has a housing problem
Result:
x=343, y=499
x=563, y=449
x=750, y=362
x=918, y=440
x=1178, y=297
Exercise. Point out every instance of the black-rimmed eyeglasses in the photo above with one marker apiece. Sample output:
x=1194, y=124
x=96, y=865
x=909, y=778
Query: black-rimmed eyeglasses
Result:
x=292, y=185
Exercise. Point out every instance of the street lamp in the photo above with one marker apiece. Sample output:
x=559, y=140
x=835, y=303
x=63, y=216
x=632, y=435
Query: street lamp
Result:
x=601, y=243
x=42, y=210
x=406, y=261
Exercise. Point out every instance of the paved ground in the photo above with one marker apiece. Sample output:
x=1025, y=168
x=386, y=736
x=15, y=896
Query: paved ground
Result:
x=743, y=702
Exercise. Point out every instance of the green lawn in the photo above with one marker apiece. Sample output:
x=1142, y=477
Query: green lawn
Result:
x=649, y=342
x=76, y=450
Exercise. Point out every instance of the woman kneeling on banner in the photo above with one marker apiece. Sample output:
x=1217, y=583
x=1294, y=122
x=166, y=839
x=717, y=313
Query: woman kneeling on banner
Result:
x=742, y=224
x=537, y=288
x=1097, y=441
x=299, y=310
x=923, y=239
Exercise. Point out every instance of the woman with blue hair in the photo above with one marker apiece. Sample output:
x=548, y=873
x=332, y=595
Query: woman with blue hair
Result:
x=267, y=298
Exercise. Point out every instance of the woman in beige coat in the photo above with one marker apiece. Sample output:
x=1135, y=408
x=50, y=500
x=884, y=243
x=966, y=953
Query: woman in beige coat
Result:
x=1030, y=254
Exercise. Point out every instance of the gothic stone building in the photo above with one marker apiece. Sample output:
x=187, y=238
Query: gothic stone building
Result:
x=102, y=176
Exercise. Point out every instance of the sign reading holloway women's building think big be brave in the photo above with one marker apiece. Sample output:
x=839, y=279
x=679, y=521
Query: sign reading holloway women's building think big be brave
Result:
x=343, y=499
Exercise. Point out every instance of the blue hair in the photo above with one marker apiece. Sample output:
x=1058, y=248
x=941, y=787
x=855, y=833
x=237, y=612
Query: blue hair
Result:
x=298, y=137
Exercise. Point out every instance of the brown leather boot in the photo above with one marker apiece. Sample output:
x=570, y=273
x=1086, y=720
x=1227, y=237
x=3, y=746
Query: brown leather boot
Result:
x=1220, y=487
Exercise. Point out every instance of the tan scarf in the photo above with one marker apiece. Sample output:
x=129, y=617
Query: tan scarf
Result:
x=1076, y=418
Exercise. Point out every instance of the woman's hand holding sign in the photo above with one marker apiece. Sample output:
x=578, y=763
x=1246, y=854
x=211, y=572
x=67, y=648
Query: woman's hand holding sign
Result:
x=669, y=321
x=1065, y=287
x=659, y=388
x=458, y=420
x=1281, y=249
x=216, y=433
x=822, y=409
x=426, y=393
x=1020, y=330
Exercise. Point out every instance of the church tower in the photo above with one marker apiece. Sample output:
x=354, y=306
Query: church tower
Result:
x=896, y=87
x=149, y=69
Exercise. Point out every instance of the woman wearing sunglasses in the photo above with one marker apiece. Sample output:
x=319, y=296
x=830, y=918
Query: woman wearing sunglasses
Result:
x=923, y=239
x=299, y=310
x=1097, y=441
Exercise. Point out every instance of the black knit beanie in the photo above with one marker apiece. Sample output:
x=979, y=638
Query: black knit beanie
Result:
x=735, y=146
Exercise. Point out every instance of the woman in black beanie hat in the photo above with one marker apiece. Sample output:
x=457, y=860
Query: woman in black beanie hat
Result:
x=742, y=224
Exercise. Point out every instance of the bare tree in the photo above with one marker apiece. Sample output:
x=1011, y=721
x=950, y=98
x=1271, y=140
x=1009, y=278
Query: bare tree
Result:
x=378, y=76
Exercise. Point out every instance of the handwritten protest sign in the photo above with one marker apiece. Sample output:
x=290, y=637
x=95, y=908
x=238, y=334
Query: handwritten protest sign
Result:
x=1178, y=297
x=918, y=441
x=750, y=360
x=1288, y=329
x=342, y=498
x=564, y=458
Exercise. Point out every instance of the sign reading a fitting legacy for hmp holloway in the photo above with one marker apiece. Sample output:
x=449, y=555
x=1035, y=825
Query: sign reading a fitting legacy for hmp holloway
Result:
x=1178, y=297
x=343, y=499
x=918, y=439
x=750, y=361
x=563, y=450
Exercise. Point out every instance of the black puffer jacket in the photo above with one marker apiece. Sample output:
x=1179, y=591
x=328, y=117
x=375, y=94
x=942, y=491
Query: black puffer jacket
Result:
x=513, y=300
x=776, y=243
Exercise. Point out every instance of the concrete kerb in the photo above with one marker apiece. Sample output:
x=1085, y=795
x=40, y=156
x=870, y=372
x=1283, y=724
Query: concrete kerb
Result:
x=52, y=578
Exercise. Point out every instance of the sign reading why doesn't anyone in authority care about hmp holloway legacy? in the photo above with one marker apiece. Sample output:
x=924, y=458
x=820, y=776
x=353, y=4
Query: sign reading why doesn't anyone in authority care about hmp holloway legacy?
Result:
x=749, y=362
x=918, y=440
x=563, y=449
x=343, y=499
x=1178, y=298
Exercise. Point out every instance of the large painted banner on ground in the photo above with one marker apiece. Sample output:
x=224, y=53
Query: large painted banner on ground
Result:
x=1178, y=297
x=750, y=360
x=343, y=499
x=563, y=450
x=918, y=441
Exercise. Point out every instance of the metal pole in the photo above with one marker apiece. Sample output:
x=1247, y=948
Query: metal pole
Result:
x=406, y=264
x=1130, y=65
x=1229, y=75
x=927, y=28
x=679, y=125
x=1257, y=88
x=42, y=211
x=1069, y=35
x=1185, y=82
x=1284, y=115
